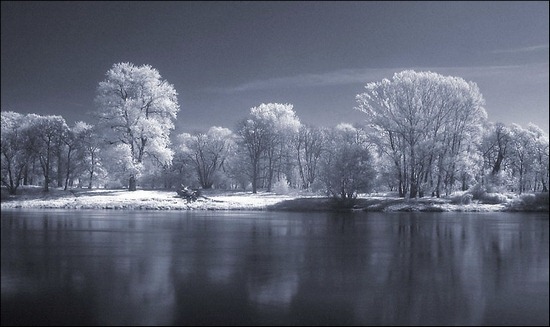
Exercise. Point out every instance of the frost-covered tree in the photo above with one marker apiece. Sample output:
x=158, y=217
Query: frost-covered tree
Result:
x=74, y=143
x=46, y=134
x=207, y=152
x=238, y=166
x=90, y=152
x=136, y=110
x=528, y=158
x=14, y=149
x=514, y=158
x=495, y=148
x=521, y=154
x=266, y=135
x=424, y=121
x=541, y=160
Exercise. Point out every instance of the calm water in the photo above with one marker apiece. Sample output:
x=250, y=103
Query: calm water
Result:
x=258, y=268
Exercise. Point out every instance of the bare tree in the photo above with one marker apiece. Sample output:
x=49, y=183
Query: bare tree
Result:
x=207, y=152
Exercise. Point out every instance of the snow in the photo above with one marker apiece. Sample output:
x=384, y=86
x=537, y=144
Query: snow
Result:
x=144, y=199
x=34, y=198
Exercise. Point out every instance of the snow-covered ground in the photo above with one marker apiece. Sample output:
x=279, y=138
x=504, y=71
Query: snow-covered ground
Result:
x=143, y=199
x=34, y=198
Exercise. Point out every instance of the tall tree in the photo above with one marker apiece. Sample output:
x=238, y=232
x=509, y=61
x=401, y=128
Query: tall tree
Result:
x=495, y=147
x=14, y=149
x=75, y=142
x=45, y=138
x=310, y=144
x=136, y=111
x=425, y=119
x=254, y=137
x=90, y=147
x=541, y=166
x=266, y=135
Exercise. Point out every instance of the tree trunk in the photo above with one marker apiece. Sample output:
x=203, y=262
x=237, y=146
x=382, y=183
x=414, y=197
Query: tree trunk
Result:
x=68, y=175
x=26, y=175
x=90, y=183
x=132, y=184
x=59, y=170
x=47, y=182
x=254, y=180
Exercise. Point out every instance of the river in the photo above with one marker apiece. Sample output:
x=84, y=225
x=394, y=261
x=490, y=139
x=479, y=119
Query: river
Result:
x=101, y=267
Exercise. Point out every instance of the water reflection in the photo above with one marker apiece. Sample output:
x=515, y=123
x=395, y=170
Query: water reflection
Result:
x=246, y=268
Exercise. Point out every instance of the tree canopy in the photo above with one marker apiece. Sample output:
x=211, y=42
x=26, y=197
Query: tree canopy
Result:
x=136, y=110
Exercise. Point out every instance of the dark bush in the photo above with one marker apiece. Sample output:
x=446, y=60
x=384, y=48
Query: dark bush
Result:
x=535, y=200
x=465, y=198
x=493, y=198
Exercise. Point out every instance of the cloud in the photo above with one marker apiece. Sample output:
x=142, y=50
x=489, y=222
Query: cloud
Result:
x=338, y=77
x=366, y=75
x=534, y=48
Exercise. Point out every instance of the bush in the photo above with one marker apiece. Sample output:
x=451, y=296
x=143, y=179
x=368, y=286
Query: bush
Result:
x=465, y=198
x=477, y=191
x=528, y=199
x=493, y=198
x=542, y=198
x=338, y=203
x=281, y=187
x=534, y=200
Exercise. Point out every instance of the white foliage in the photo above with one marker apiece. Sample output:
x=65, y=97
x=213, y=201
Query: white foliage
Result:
x=424, y=119
x=137, y=109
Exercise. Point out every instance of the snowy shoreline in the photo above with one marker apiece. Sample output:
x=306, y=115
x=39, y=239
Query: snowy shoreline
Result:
x=168, y=200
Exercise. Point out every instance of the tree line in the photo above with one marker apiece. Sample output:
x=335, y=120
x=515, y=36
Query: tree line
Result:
x=423, y=134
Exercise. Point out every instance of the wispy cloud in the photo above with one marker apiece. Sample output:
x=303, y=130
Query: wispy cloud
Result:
x=533, y=48
x=338, y=77
x=365, y=75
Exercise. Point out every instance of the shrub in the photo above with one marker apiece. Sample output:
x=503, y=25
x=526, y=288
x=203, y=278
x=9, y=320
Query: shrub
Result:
x=281, y=187
x=537, y=199
x=528, y=199
x=493, y=198
x=465, y=198
x=477, y=191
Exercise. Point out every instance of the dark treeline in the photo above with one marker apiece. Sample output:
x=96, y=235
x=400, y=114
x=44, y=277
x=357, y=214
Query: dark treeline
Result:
x=424, y=135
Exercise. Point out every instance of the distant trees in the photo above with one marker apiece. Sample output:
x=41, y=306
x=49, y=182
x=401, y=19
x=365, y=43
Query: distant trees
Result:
x=136, y=110
x=46, y=138
x=207, y=152
x=348, y=164
x=426, y=134
x=525, y=159
x=14, y=148
x=541, y=160
x=424, y=121
x=266, y=135
x=91, y=148
x=75, y=150
x=310, y=144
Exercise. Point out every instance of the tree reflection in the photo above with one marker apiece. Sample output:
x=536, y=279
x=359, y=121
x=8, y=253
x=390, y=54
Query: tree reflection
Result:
x=274, y=268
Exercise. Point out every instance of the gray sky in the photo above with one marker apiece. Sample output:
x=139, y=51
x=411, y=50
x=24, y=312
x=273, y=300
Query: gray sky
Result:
x=225, y=57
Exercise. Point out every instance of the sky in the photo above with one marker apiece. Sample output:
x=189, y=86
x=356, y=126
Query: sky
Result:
x=224, y=58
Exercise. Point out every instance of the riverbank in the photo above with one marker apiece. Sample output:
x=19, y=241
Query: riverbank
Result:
x=35, y=198
x=138, y=200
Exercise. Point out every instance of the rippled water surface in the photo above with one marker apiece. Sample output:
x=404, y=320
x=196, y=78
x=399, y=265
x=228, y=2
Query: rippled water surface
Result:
x=259, y=268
